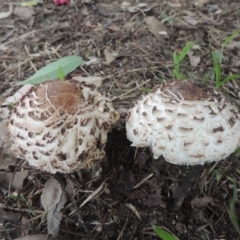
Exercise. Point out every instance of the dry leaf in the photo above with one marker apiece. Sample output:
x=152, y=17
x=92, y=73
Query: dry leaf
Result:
x=190, y=20
x=92, y=61
x=201, y=202
x=97, y=81
x=51, y=194
x=6, y=14
x=155, y=27
x=108, y=55
x=34, y=237
x=17, y=181
x=139, y=7
x=23, y=12
x=200, y=3
x=114, y=27
x=55, y=216
x=194, y=60
x=155, y=200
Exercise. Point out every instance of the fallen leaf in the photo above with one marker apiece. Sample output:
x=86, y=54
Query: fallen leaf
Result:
x=114, y=27
x=97, y=81
x=155, y=27
x=17, y=181
x=6, y=14
x=201, y=202
x=51, y=194
x=140, y=7
x=194, y=60
x=190, y=20
x=23, y=12
x=108, y=55
x=34, y=237
x=92, y=61
x=200, y=3
x=55, y=216
x=155, y=200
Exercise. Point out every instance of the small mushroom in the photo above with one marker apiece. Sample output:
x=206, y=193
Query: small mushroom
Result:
x=185, y=122
x=61, y=126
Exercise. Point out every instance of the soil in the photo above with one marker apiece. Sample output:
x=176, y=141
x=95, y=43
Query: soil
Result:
x=135, y=190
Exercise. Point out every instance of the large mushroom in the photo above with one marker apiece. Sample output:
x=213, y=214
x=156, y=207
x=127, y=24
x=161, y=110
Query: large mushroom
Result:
x=185, y=122
x=61, y=126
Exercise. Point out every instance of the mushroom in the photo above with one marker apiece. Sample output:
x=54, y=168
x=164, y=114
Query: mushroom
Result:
x=185, y=122
x=61, y=126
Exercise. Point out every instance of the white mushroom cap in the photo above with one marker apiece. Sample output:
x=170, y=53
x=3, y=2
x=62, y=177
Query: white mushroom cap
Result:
x=186, y=123
x=61, y=126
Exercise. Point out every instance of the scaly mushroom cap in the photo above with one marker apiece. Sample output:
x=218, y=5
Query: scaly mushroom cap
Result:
x=61, y=126
x=186, y=123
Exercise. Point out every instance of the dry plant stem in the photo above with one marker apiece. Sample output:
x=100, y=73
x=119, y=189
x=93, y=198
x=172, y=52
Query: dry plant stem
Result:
x=77, y=210
x=126, y=93
x=94, y=194
x=143, y=181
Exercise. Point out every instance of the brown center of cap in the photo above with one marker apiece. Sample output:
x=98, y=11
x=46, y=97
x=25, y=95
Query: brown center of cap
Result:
x=62, y=95
x=188, y=90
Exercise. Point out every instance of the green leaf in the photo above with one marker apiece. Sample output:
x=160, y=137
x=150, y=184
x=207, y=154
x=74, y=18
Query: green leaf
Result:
x=165, y=235
x=51, y=71
x=185, y=51
x=232, y=213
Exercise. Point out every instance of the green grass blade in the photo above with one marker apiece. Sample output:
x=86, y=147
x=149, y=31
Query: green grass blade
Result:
x=166, y=18
x=232, y=213
x=185, y=51
x=51, y=71
x=177, y=74
x=60, y=73
x=230, y=38
x=206, y=77
x=175, y=60
x=165, y=235
x=229, y=78
x=217, y=69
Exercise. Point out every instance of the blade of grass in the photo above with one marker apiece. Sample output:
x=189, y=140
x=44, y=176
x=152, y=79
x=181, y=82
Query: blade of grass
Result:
x=206, y=77
x=60, y=73
x=229, y=78
x=185, y=51
x=175, y=61
x=230, y=38
x=165, y=235
x=232, y=213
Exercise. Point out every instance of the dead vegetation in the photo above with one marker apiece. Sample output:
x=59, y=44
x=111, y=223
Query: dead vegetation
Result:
x=131, y=46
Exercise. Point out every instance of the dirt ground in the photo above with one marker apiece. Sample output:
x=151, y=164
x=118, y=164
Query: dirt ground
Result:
x=136, y=191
